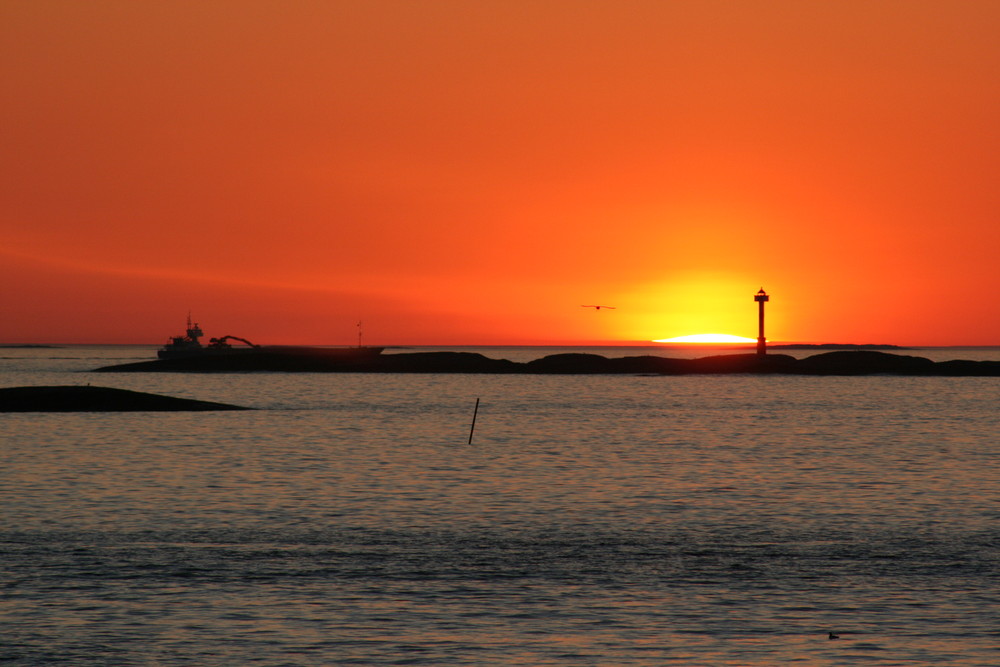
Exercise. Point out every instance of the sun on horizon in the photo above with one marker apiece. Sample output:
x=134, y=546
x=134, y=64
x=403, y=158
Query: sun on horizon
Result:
x=707, y=338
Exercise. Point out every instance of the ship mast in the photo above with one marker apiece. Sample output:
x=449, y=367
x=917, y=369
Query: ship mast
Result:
x=194, y=332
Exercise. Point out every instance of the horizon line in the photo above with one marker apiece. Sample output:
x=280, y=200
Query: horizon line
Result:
x=629, y=343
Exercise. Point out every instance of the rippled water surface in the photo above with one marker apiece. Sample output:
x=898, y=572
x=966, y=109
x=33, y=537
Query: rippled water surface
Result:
x=603, y=520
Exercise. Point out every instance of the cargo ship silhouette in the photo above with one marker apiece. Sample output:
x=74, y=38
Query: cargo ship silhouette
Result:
x=189, y=345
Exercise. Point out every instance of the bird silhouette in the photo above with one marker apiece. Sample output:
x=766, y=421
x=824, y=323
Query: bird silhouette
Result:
x=833, y=636
x=599, y=307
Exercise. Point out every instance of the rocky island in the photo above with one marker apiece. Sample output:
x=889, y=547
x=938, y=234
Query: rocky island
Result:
x=843, y=362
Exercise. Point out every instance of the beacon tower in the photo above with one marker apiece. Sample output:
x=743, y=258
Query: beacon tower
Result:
x=761, y=298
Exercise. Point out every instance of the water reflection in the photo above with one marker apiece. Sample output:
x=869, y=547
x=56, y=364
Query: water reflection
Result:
x=600, y=520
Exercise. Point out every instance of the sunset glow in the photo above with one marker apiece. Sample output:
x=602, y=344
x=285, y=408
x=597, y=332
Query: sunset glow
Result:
x=707, y=338
x=457, y=172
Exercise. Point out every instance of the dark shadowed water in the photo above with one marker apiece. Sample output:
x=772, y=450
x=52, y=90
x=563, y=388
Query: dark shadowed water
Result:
x=594, y=520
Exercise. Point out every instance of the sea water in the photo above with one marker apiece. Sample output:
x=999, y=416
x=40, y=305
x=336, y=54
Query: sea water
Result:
x=593, y=520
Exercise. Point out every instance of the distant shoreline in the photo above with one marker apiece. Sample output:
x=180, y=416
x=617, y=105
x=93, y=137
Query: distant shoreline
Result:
x=835, y=346
x=27, y=346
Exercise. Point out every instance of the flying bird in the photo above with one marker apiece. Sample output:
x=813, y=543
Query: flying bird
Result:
x=599, y=307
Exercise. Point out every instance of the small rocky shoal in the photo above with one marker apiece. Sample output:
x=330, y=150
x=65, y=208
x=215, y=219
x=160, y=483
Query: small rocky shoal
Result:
x=97, y=399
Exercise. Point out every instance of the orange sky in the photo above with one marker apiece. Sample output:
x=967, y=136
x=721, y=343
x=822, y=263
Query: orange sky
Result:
x=456, y=172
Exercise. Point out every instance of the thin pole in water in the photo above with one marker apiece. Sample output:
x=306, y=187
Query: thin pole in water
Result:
x=474, y=413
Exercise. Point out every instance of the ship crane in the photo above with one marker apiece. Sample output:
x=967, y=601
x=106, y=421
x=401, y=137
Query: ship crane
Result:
x=222, y=342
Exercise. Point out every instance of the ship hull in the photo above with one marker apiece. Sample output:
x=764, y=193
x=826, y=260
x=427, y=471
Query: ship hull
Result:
x=330, y=353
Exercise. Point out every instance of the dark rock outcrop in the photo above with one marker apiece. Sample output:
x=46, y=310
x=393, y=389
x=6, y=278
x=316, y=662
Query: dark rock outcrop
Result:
x=97, y=399
x=571, y=362
x=744, y=363
x=864, y=362
x=441, y=362
x=964, y=367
